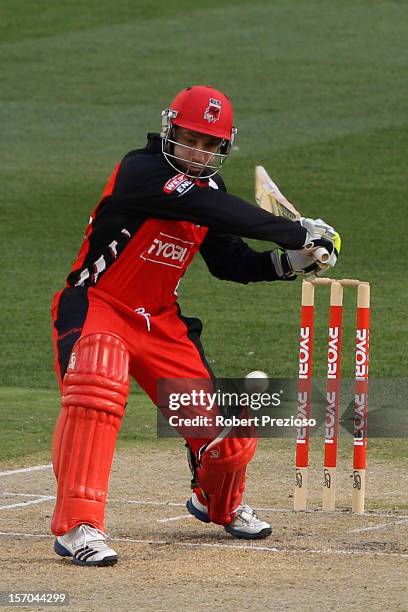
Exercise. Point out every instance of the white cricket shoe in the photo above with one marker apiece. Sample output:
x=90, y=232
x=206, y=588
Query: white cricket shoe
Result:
x=197, y=509
x=246, y=525
x=86, y=545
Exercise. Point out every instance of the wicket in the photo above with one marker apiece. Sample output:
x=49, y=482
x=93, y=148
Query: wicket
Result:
x=304, y=406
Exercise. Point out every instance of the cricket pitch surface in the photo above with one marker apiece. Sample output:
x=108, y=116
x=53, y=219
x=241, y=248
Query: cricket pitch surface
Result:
x=169, y=560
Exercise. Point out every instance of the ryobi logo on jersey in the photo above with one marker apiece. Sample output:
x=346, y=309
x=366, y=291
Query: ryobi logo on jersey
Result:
x=168, y=251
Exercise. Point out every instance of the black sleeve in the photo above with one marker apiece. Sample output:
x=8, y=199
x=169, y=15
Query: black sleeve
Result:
x=228, y=257
x=139, y=191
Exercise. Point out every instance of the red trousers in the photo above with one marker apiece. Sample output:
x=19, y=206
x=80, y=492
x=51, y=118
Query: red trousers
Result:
x=161, y=345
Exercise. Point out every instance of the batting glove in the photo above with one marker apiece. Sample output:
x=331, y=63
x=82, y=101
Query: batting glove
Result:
x=288, y=264
x=322, y=241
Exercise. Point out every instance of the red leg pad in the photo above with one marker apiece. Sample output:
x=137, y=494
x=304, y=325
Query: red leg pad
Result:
x=221, y=476
x=94, y=395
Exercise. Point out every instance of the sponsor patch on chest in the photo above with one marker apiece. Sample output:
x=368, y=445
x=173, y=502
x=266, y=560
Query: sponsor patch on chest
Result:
x=168, y=251
x=179, y=184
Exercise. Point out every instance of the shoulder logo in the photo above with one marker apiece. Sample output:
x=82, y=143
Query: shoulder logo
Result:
x=178, y=183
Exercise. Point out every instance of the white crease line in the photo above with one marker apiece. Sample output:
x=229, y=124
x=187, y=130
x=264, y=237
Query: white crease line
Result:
x=7, y=493
x=269, y=549
x=377, y=527
x=25, y=535
x=289, y=551
x=175, y=518
x=142, y=502
x=315, y=511
x=33, y=468
x=47, y=466
x=41, y=500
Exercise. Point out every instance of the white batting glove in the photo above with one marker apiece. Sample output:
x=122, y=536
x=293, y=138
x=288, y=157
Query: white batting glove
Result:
x=317, y=228
x=322, y=241
x=303, y=262
x=288, y=264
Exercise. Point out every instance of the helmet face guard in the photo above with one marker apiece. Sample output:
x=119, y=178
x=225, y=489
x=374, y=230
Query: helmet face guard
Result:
x=200, y=109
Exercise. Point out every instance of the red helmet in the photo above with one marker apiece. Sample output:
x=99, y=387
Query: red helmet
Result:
x=204, y=109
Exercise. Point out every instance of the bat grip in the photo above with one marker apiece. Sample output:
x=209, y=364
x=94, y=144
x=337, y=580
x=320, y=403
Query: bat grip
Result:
x=321, y=254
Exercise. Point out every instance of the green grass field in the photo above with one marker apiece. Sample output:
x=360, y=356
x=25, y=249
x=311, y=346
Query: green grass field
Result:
x=318, y=90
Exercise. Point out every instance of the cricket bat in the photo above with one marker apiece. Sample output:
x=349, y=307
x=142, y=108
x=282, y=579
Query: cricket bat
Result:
x=269, y=197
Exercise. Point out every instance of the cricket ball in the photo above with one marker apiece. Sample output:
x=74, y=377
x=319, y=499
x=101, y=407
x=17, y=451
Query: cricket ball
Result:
x=256, y=382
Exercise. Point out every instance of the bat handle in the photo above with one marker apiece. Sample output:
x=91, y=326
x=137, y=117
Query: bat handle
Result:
x=321, y=254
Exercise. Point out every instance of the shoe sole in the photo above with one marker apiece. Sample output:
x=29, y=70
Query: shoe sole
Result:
x=61, y=550
x=201, y=516
x=264, y=533
x=108, y=561
x=64, y=552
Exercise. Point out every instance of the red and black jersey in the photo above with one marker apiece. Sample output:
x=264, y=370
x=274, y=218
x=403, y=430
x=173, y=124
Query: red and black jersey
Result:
x=150, y=223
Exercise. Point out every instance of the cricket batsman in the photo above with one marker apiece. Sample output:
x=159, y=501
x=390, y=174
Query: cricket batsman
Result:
x=118, y=315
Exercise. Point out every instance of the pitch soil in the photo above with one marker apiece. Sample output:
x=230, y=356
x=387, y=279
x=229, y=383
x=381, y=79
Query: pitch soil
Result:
x=312, y=561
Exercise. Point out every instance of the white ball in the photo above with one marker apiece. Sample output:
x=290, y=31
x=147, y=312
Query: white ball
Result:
x=256, y=382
